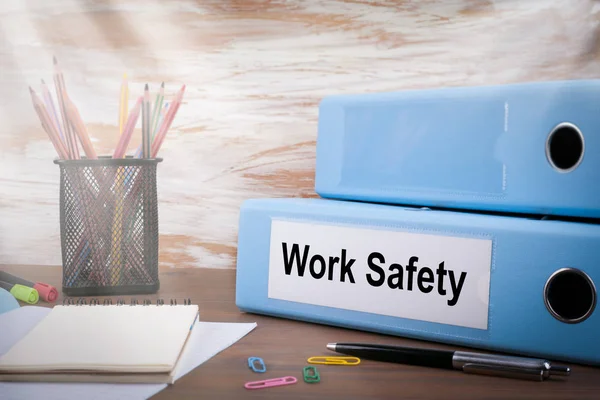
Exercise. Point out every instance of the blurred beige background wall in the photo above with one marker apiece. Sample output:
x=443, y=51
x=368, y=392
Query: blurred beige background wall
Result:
x=255, y=72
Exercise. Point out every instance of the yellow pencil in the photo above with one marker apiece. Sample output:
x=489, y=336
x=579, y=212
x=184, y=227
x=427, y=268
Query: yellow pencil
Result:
x=117, y=234
x=118, y=214
x=123, y=104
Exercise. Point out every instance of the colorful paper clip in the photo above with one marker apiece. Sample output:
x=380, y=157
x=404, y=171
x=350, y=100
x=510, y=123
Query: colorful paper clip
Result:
x=286, y=380
x=262, y=366
x=311, y=378
x=334, y=360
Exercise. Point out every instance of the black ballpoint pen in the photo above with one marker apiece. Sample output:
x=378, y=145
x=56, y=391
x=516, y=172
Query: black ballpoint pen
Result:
x=472, y=363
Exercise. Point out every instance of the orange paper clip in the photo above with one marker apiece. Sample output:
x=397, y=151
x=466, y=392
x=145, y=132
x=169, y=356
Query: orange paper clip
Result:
x=334, y=360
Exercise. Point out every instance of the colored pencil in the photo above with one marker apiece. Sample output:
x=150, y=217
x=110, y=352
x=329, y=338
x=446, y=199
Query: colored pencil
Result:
x=163, y=112
x=48, y=125
x=146, y=124
x=121, y=148
x=117, y=226
x=117, y=239
x=52, y=130
x=61, y=93
x=167, y=121
x=55, y=138
x=79, y=127
x=51, y=109
x=156, y=112
x=123, y=104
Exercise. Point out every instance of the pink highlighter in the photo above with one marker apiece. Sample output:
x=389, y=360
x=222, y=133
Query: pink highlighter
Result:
x=46, y=292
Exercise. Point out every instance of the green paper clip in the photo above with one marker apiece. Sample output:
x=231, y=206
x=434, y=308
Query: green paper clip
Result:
x=25, y=293
x=308, y=378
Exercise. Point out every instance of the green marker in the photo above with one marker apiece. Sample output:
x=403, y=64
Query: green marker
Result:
x=21, y=292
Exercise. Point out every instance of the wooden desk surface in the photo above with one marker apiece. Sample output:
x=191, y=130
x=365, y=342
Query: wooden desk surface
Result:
x=285, y=345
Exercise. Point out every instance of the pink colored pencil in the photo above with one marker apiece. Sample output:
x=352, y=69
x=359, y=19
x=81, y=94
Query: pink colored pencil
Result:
x=58, y=146
x=75, y=118
x=121, y=148
x=61, y=94
x=48, y=125
x=51, y=109
x=166, y=124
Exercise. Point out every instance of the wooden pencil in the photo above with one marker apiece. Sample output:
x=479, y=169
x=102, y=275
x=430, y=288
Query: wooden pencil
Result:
x=58, y=146
x=123, y=104
x=48, y=126
x=121, y=148
x=61, y=93
x=156, y=112
x=79, y=127
x=167, y=121
x=146, y=123
x=51, y=109
x=117, y=238
x=163, y=112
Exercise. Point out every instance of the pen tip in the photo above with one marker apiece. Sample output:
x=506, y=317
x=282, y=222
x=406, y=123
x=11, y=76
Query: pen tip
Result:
x=331, y=346
x=162, y=85
x=54, y=60
x=146, y=87
x=43, y=83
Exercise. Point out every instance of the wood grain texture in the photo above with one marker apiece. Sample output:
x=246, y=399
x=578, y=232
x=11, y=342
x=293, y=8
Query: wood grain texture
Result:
x=255, y=72
x=285, y=345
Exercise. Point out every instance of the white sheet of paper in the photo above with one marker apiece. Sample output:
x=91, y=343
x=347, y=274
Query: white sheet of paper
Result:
x=207, y=340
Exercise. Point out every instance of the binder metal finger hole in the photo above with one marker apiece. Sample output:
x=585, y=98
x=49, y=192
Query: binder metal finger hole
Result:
x=565, y=147
x=570, y=295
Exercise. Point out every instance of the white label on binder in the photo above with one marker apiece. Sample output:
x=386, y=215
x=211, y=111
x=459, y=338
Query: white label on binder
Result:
x=427, y=277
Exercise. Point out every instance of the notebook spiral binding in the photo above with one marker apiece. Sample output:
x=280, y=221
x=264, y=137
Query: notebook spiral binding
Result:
x=119, y=302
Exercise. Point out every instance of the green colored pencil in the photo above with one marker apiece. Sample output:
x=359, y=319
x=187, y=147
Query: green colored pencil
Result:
x=160, y=96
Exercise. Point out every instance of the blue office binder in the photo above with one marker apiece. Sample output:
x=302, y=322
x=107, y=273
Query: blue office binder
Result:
x=529, y=148
x=518, y=285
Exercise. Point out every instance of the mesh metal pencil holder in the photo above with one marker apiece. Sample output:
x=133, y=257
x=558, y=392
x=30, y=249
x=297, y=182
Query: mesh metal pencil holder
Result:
x=109, y=226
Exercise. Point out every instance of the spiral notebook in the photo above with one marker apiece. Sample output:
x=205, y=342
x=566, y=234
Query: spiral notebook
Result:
x=102, y=343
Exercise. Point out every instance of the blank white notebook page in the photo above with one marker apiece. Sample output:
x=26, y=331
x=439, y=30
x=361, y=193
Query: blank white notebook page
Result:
x=104, y=339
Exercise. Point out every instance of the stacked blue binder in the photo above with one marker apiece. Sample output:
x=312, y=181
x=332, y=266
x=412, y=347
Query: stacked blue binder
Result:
x=465, y=216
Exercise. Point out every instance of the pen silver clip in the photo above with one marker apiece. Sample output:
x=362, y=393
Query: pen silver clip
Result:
x=504, y=371
x=507, y=366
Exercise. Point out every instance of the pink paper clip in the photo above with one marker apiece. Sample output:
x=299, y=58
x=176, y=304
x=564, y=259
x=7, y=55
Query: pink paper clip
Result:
x=286, y=380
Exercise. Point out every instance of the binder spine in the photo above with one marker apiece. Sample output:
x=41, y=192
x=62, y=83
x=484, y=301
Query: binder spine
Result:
x=120, y=302
x=527, y=286
x=529, y=148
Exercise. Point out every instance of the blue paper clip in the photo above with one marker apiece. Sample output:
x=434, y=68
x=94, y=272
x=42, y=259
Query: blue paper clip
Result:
x=252, y=366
